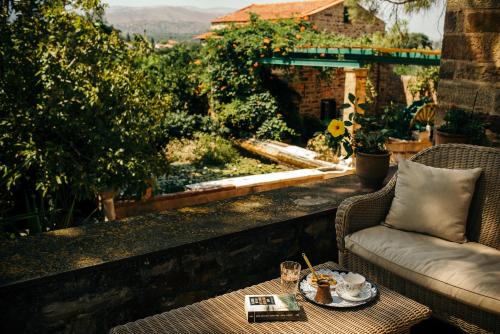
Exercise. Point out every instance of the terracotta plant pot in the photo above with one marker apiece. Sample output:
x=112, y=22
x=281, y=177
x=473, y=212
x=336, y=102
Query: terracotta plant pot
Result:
x=448, y=138
x=372, y=168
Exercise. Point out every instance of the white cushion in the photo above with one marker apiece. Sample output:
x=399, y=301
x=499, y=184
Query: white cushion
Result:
x=469, y=273
x=432, y=200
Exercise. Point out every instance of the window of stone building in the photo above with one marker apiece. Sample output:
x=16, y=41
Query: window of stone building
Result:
x=346, y=15
x=328, y=109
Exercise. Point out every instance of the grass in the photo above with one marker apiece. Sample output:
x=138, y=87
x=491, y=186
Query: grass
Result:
x=192, y=161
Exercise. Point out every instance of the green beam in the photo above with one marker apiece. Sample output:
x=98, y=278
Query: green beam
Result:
x=352, y=57
x=290, y=61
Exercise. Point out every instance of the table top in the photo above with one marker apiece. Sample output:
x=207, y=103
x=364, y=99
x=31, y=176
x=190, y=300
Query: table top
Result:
x=389, y=313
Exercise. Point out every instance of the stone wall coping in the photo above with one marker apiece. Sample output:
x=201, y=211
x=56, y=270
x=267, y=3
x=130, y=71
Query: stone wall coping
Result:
x=68, y=251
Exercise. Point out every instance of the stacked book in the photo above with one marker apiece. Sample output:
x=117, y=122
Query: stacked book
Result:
x=271, y=308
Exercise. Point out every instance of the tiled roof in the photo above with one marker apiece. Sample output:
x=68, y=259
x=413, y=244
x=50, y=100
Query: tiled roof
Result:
x=274, y=11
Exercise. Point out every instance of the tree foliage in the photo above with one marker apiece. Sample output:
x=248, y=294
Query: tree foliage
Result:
x=76, y=114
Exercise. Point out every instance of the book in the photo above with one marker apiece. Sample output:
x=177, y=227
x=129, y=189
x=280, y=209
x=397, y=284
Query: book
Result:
x=271, y=308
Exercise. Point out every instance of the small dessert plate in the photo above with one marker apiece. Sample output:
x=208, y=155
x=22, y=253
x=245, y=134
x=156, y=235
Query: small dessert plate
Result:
x=364, y=294
x=331, y=276
x=308, y=290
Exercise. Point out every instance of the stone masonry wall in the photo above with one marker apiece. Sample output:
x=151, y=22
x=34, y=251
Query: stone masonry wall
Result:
x=313, y=88
x=95, y=299
x=470, y=62
x=88, y=279
x=332, y=20
x=387, y=84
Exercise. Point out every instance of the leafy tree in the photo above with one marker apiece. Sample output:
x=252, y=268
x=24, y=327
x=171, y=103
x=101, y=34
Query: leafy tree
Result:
x=75, y=116
x=233, y=74
x=176, y=75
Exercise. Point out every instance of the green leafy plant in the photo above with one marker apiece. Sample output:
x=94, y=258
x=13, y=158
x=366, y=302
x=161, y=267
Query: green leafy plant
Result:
x=76, y=112
x=461, y=122
x=257, y=114
x=369, y=138
x=176, y=74
x=399, y=120
x=319, y=144
x=213, y=150
x=425, y=83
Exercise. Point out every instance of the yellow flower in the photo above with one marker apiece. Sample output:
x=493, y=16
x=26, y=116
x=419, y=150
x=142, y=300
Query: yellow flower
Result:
x=267, y=40
x=336, y=128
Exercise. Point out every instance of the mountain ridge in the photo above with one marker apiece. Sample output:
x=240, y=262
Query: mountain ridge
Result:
x=163, y=22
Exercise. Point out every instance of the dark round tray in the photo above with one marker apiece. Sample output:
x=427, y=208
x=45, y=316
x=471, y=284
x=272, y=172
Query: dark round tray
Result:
x=343, y=303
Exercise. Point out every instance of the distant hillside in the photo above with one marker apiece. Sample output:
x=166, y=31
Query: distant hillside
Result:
x=163, y=22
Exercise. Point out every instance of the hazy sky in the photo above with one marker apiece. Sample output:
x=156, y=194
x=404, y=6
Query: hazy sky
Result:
x=430, y=22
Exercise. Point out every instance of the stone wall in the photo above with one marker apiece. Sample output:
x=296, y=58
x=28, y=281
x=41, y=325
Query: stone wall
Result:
x=96, y=299
x=313, y=88
x=332, y=20
x=470, y=62
x=387, y=85
x=88, y=279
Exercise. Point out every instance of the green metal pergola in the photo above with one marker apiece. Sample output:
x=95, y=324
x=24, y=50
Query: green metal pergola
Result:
x=354, y=57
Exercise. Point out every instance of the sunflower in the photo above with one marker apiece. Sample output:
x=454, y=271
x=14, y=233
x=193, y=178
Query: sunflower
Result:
x=336, y=128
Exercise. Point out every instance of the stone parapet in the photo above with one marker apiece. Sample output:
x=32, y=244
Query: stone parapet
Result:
x=88, y=279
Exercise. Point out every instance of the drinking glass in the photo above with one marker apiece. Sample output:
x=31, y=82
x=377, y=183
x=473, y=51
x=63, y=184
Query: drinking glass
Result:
x=290, y=275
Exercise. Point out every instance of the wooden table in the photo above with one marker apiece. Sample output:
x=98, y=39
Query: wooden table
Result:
x=390, y=313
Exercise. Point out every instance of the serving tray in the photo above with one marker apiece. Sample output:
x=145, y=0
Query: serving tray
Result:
x=308, y=291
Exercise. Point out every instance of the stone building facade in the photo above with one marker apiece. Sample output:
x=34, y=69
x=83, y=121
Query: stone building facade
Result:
x=331, y=16
x=470, y=65
x=327, y=15
x=313, y=89
x=333, y=20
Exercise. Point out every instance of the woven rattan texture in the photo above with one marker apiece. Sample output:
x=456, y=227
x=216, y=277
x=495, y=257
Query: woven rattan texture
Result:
x=391, y=313
x=466, y=317
x=483, y=226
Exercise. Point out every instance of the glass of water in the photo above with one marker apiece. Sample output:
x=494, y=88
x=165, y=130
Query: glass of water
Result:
x=290, y=275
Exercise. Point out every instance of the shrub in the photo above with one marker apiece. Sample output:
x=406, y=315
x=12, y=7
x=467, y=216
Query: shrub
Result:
x=76, y=114
x=319, y=144
x=255, y=115
x=184, y=125
x=213, y=150
x=273, y=128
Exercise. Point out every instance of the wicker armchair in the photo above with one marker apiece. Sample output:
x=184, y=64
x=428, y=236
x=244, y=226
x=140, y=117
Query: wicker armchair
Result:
x=360, y=212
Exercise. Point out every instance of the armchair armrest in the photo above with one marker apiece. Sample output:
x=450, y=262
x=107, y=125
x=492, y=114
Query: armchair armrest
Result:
x=359, y=212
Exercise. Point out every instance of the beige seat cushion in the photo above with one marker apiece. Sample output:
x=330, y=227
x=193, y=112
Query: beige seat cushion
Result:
x=432, y=200
x=469, y=273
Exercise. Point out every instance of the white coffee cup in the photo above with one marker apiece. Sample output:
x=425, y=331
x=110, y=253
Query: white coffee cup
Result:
x=353, y=283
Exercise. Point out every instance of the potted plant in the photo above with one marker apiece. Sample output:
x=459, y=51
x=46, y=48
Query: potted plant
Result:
x=409, y=127
x=461, y=126
x=367, y=143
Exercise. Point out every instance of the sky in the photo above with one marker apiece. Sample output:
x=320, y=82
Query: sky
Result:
x=430, y=22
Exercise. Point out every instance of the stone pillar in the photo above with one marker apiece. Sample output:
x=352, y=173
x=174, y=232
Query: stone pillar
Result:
x=355, y=83
x=108, y=204
x=470, y=62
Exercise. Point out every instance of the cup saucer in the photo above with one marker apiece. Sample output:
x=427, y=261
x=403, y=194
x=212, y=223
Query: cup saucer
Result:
x=363, y=295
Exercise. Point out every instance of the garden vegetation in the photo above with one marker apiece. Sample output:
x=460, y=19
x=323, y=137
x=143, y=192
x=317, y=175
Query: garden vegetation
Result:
x=84, y=110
